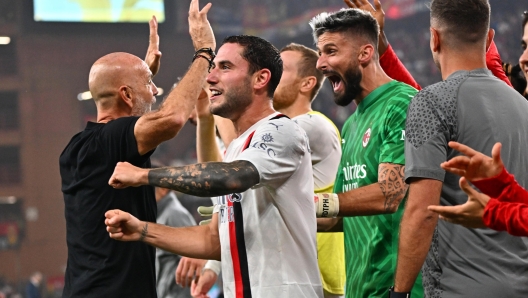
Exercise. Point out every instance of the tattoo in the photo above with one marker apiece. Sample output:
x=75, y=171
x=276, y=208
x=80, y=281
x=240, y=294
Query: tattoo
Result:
x=392, y=184
x=144, y=232
x=207, y=179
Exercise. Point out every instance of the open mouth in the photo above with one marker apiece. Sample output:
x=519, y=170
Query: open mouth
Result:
x=215, y=93
x=336, y=81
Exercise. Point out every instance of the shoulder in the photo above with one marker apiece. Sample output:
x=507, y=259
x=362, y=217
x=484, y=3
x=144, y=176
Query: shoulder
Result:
x=400, y=94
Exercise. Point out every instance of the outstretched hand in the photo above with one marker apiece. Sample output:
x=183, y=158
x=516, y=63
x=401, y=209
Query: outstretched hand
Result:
x=123, y=226
x=474, y=165
x=199, y=28
x=468, y=214
x=126, y=175
x=153, y=53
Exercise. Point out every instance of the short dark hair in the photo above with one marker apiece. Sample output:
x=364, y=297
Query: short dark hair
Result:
x=465, y=21
x=260, y=54
x=307, y=66
x=352, y=20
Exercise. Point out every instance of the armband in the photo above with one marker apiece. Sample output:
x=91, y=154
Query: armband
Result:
x=326, y=205
x=215, y=266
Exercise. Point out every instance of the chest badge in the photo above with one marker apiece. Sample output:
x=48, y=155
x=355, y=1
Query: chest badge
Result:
x=366, y=138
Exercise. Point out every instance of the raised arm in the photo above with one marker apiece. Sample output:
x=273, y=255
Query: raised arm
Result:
x=197, y=241
x=202, y=179
x=153, y=128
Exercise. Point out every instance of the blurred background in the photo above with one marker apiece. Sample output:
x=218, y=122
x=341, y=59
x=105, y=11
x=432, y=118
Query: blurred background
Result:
x=47, y=48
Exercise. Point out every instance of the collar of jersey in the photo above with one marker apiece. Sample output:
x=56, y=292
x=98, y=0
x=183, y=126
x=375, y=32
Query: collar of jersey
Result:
x=374, y=96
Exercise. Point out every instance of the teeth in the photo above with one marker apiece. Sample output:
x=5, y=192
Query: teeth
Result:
x=215, y=92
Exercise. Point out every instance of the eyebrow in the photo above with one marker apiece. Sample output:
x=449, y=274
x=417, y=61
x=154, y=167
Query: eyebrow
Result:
x=327, y=45
x=224, y=62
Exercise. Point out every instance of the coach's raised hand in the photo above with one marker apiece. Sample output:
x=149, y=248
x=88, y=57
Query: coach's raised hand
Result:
x=153, y=56
x=126, y=175
x=199, y=28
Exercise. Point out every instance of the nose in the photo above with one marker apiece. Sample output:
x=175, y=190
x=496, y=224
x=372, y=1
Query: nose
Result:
x=154, y=89
x=523, y=60
x=321, y=63
x=212, y=77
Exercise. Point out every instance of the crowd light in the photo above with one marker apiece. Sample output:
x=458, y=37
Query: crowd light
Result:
x=5, y=40
x=86, y=95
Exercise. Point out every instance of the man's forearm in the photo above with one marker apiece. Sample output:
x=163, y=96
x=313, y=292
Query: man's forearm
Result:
x=194, y=242
x=382, y=197
x=416, y=232
x=207, y=179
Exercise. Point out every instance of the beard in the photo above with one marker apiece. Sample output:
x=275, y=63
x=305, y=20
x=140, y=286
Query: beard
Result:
x=352, y=80
x=141, y=108
x=285, y=96
x=235, y=99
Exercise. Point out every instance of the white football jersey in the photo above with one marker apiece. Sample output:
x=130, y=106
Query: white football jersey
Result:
x=267, y=233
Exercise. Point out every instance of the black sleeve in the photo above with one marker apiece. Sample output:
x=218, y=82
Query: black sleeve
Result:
x=119, y=139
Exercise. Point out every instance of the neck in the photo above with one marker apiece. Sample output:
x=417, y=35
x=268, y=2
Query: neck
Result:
x=452, y=61
x=257, y=110
x=300, y=106
x=373, y=77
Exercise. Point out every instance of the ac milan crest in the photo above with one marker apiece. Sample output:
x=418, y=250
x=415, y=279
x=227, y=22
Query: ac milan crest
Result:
x=366, y=138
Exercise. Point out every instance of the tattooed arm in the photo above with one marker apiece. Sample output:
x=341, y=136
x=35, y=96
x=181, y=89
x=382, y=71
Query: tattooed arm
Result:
x=202, y=179
x=377, y=198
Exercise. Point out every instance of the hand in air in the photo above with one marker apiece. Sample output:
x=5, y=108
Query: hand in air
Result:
x=199, y=28
x=468, y=214
x=153, y=53
x=474, y=165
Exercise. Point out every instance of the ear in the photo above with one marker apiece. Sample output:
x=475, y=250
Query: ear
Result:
x=365, y=54
x=308, y=83
x=435, y=40
x=261, y=79
x=491, y=34
x=125, y=94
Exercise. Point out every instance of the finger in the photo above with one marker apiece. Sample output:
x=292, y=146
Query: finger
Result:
x=496, y=153
x=356, y=3
x=377, y=5
x=460, y=162
x=194, y=6
x=177, y=274
x=464, y=185
x=455, y=171
x=349, y=4
x=445, y=211
x=115, y=235
x=463, y=149
x=206, y=8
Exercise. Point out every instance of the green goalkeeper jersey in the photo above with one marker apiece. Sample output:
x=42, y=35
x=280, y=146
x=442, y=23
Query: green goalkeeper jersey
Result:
x=374, y=134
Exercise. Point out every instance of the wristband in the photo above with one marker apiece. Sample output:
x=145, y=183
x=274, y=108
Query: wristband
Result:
x=326, y=205
x=209, y=59
x=214, y=266
x=393, y=294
